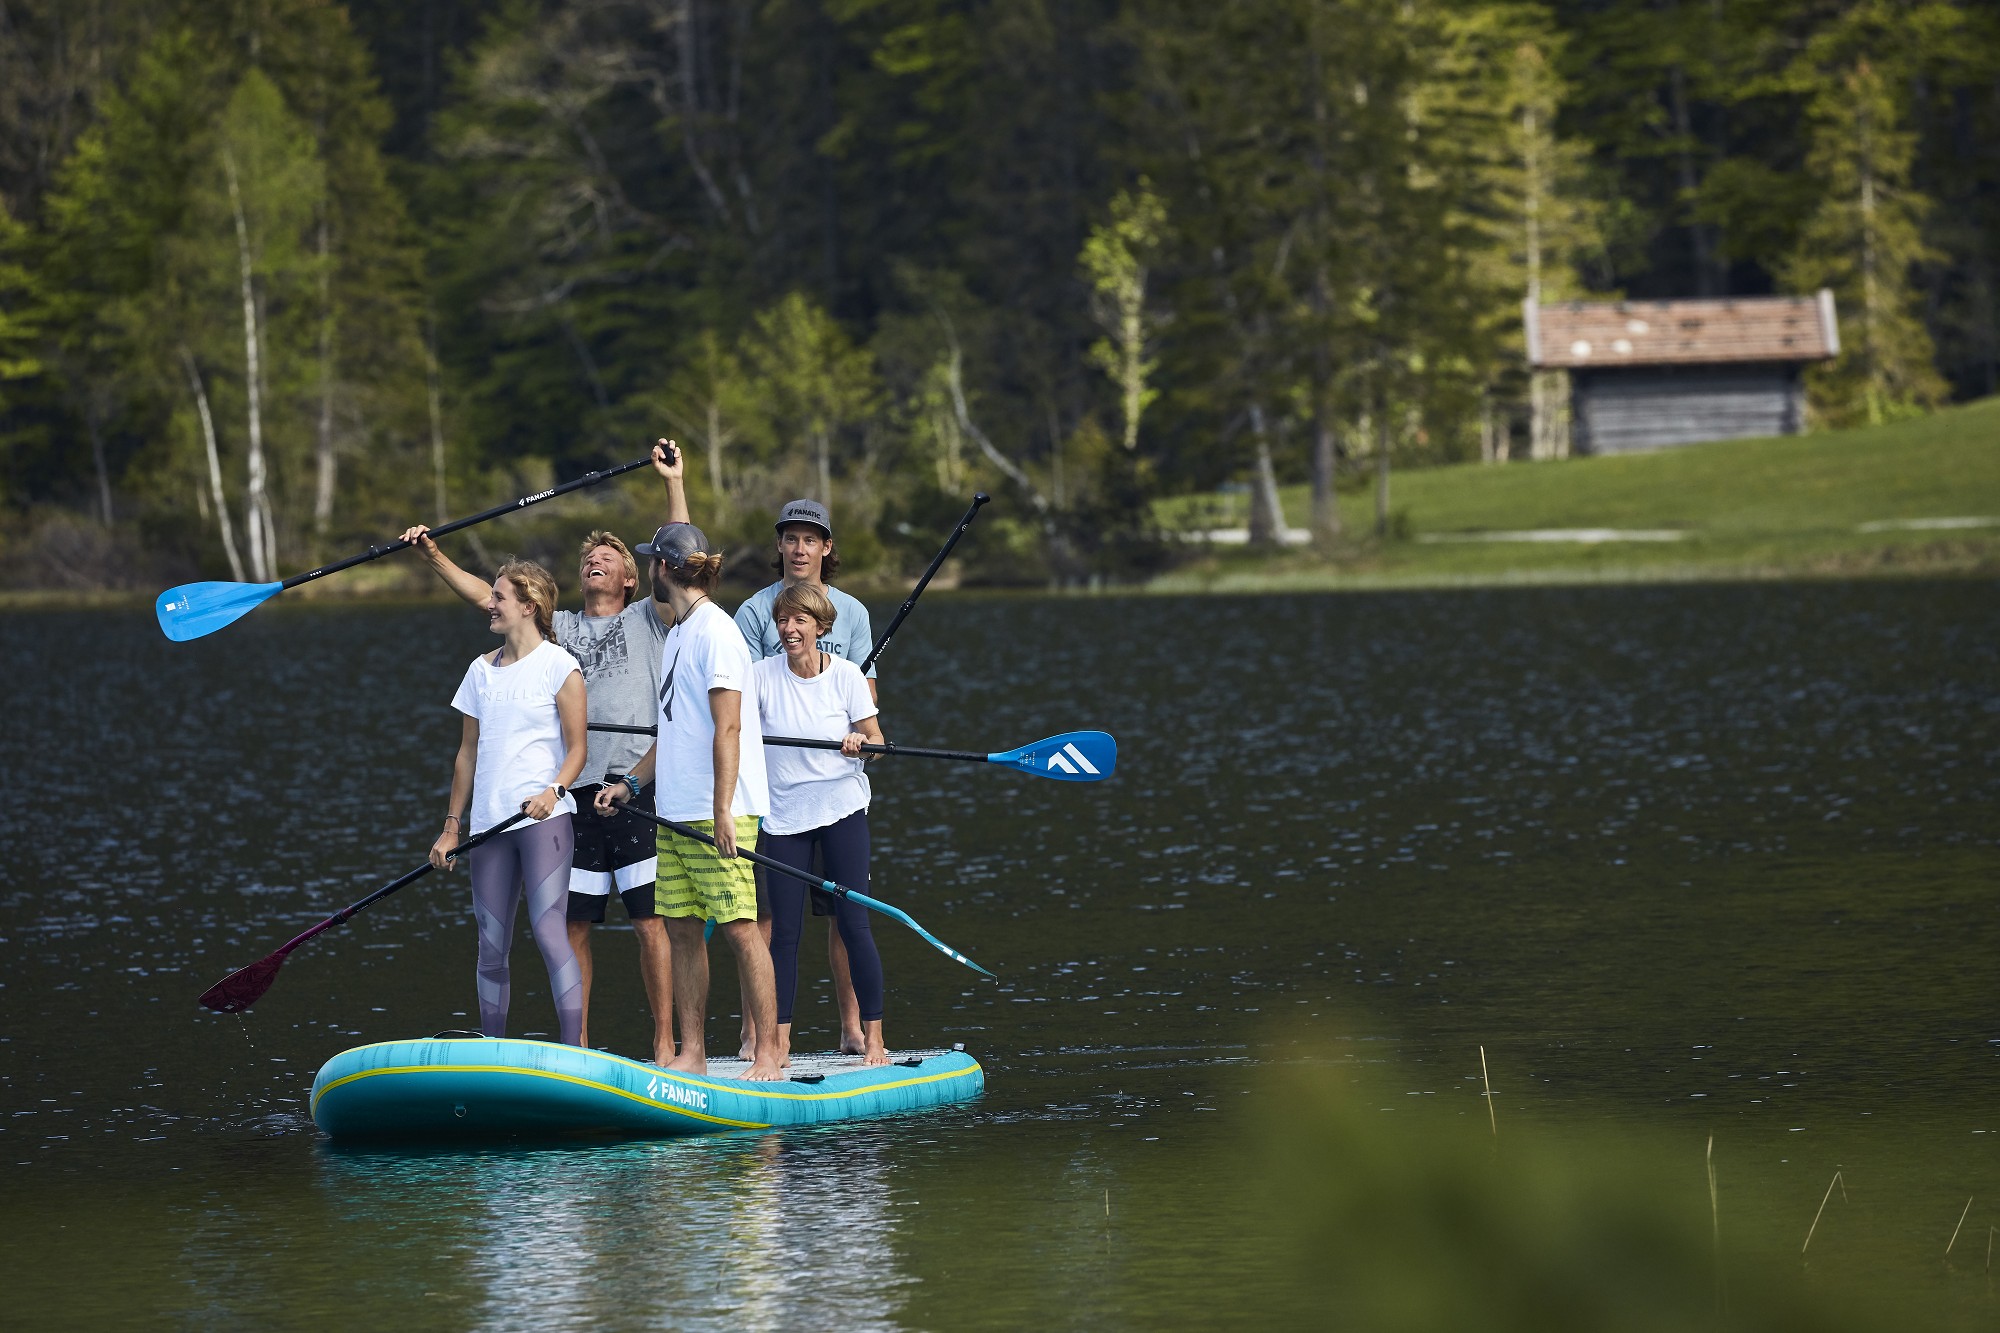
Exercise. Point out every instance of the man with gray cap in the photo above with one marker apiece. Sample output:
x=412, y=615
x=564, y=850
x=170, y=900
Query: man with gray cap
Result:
x=710, y=758
x=806, y=554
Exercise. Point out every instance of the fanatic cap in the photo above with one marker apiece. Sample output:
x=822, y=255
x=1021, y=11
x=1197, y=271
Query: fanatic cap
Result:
x=674, y=543
x=806, y=511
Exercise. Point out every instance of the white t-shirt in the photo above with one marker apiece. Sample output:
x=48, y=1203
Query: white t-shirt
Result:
x=520, y=736
x=812, y=788
x=705, y=652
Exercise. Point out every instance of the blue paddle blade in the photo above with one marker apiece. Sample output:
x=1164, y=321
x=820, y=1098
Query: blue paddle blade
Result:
x=909, y=921
x=195, y=609
x=1074, y=756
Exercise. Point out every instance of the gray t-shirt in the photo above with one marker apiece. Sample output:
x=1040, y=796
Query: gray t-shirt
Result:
x=851, y=636
x=620, y=657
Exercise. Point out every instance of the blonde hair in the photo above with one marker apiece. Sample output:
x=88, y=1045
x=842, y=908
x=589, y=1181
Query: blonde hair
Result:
x=602, y=538
x=537, y=587
x=806, y=599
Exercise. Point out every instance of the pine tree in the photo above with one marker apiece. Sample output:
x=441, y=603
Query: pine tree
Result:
x=1865, y=241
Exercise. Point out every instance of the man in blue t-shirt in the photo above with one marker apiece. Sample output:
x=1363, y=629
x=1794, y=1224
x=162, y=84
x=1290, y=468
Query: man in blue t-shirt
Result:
x=806, y=555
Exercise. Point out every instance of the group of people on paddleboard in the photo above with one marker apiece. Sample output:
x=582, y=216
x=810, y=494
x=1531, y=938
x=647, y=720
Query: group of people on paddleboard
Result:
x=553, y=724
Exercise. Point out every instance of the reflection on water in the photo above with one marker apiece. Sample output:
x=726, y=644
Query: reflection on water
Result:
x=762, y=1231
x=1702, y=860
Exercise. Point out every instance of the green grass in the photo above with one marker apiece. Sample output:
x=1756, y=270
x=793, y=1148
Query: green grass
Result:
x=1750, y=508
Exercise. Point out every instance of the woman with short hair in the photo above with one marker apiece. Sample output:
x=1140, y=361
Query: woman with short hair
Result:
x=520, y=749
x=819, y=800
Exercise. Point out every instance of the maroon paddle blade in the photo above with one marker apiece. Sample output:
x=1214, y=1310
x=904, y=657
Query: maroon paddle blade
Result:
x=243, y=987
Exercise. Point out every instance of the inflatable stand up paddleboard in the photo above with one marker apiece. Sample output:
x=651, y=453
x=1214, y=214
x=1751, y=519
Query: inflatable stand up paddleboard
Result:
x=469, y=1087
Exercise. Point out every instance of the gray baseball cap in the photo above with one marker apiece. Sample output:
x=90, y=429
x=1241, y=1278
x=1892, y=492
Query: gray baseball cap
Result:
x=674, y=543
x=806, y=511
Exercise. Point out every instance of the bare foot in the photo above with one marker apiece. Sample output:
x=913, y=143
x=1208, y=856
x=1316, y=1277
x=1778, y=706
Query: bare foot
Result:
x=853, y=1043
x=763, y=1071
x=747, y=1048
x=663, y=1055
x=876, y=1054
x=784, y=1059
x=688, y=1063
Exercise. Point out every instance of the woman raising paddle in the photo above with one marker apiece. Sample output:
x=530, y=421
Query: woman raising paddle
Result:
x=521, y=748
x=819, y=800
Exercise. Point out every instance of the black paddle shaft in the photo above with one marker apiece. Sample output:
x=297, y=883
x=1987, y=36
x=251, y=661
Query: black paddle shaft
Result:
x=377, y=552
x=800, y=743
x=887, y=747
x=405, y=881
x=971, y=513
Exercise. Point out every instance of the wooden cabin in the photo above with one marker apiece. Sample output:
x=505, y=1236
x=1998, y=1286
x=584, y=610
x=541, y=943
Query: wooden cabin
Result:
x=1655, y=374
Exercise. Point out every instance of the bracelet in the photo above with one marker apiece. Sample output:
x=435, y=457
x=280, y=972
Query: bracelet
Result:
x=451, y=819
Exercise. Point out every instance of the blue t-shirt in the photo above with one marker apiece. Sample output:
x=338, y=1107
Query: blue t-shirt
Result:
x=851, y=637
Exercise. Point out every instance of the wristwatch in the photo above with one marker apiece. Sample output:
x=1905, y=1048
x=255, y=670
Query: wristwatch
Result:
x=560, y=790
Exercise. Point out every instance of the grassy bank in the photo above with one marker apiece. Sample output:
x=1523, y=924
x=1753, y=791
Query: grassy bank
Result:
x=1800, y=506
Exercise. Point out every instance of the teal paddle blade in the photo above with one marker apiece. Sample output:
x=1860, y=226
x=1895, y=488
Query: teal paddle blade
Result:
x=1074, y=756
x=195, y=609
x=908, y=920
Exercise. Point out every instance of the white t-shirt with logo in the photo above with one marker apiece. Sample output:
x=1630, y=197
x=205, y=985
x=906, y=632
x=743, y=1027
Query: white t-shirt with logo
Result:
x=812, y=788
x=705, y=652
x=521, y=746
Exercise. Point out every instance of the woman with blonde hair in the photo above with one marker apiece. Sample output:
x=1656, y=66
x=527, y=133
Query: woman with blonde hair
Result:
x=520, y=749
x=819, y=800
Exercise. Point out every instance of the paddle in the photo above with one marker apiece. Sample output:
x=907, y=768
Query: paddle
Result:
x=1074, y=756
x=194, y=609
x=839, y=891
x=979, y=498
x=245, y=986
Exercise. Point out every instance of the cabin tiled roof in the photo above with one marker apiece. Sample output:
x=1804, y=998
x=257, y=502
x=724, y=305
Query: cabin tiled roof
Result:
x=1576, y=335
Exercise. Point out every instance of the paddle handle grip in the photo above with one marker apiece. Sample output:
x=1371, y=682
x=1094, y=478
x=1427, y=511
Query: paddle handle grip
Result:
x=377, y=552
x=972, y=512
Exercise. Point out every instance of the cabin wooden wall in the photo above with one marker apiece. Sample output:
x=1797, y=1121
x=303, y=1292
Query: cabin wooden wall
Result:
x=1633, y=409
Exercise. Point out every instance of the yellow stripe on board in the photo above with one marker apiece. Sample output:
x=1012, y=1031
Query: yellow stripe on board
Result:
x=643, y=1101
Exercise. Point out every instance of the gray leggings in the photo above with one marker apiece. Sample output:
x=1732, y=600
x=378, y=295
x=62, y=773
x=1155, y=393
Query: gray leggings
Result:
x=538, y=857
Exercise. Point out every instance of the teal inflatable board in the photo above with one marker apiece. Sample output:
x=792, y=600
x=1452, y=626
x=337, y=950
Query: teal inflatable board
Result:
x=479, y=1087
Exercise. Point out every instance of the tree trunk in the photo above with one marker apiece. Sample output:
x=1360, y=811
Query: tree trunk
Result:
x=1267, y=516
x=1382, y=470
x=214, y=464
x=98, y=459
x=256, y=504
x=325, y=470
x=435, y=402
x=1705, y=275
x=715, y=452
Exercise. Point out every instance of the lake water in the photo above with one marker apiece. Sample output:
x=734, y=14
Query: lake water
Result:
x=1687, y=862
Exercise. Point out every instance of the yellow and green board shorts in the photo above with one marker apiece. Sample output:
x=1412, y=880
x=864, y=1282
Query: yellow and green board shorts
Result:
x=695, y=881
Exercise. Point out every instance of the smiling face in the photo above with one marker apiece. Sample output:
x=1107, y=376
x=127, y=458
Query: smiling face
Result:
x=506, y=608
x=802, y=549
x=604, y=570
x=798, y=634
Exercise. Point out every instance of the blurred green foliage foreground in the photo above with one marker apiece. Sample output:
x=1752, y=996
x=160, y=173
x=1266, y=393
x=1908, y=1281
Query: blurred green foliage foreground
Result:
x=1410, y=1215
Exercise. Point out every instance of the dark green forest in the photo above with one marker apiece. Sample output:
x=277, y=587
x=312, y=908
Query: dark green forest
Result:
x=277, y=276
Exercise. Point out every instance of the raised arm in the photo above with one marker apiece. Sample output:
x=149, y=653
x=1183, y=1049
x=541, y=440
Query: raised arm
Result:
x=671, y=464
x=468, y=586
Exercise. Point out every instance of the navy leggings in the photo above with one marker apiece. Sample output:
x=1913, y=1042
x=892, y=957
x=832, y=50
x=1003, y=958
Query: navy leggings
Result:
x=843, y=849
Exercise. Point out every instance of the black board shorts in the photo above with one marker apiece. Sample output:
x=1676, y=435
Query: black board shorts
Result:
x=614, y=852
